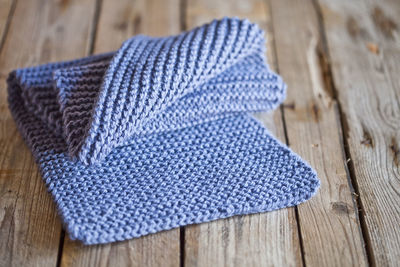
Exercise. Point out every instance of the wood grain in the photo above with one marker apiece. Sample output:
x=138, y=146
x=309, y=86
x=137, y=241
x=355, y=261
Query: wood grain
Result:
x=40, y=31
x=268, y=239
x=341, y=61
x=368, y=88
x=329, y=225
x=6, y=12
x=119, y=21
x=160, y=249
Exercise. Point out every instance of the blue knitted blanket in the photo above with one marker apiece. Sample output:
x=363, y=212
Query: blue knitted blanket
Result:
x=158, y=135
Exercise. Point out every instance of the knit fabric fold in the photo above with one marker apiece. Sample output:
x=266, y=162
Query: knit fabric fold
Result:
x=158, y=134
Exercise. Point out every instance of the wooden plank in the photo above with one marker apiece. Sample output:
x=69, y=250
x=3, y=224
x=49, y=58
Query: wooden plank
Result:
x=6, y=12
x=161, y=249
x=329, y=224
x=268, y=239
x=40, y=31
x=117, y=22
x=363, y=38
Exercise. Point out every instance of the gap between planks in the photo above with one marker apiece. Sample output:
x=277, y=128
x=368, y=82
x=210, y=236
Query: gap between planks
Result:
x=183, y=27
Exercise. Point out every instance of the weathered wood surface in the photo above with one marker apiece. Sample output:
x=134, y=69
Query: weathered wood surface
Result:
x=268, y=239
x=341, y=61
x=117, y=22
x=123, y=19
x=314, y=131
x=40, y=31
x=363, y=39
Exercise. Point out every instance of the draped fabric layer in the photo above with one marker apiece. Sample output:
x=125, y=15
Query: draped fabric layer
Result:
x=158, y=134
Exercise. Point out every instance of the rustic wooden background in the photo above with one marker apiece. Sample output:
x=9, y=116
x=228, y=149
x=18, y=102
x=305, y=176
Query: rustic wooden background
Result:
x=341, y=61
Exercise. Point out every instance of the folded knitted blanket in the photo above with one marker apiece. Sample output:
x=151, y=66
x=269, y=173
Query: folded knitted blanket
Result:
x=157, y=134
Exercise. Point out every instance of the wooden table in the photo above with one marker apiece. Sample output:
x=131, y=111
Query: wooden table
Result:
x=341, y=61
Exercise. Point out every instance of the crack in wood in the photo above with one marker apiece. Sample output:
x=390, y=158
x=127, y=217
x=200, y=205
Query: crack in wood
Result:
x=395, y=151
x=315, y=112
x=367, y=138
x=324, y=64
x=345, y=125
x=319, y=65
x=94, y=24
x=182, y=246
x=290, y=105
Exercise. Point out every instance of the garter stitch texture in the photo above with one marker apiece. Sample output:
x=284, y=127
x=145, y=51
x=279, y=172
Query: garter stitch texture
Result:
x=157, y=135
